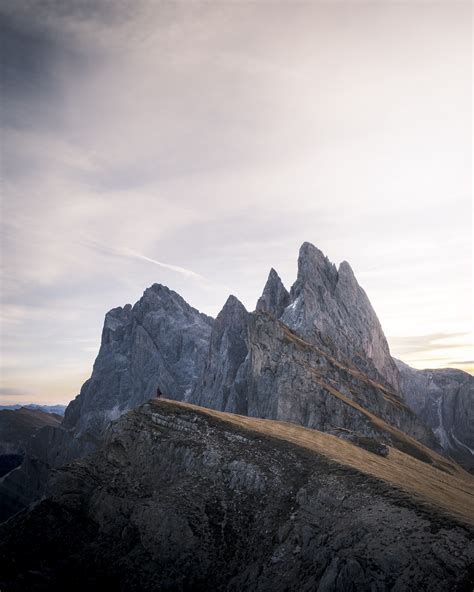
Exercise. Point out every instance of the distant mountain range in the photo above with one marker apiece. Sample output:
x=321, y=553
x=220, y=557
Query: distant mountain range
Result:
x=314, y=356
x=57, y=409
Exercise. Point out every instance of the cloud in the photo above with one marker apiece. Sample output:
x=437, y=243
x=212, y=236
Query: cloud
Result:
x=16, y=392
x=176, y=268
x=423, y=344
x=461, y=362
x=132, y=254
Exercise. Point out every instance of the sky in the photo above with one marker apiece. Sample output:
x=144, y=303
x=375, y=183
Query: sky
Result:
x=198, y=144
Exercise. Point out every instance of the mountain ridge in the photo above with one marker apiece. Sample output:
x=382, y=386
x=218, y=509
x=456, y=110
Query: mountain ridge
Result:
x=315, y=356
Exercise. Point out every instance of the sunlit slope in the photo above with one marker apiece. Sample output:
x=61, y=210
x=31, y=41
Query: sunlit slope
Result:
x=451, y=492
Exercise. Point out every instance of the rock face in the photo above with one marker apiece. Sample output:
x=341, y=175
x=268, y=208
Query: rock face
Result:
x=275, y=297
x=444, y=400
x=328, y=307
x=228, y=349
x=161, y=342
x=282, y=376
x=178, y=500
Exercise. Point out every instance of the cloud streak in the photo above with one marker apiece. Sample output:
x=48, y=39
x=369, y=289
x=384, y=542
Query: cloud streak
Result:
x=176, y=268
x=133, y=254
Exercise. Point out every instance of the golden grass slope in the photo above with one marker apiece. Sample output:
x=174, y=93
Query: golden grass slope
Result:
x=453, y=494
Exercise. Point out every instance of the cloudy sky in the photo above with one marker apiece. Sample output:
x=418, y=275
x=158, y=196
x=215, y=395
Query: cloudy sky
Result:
x=198, y=144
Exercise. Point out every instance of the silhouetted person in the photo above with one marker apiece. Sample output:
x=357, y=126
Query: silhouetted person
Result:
x=158, y=393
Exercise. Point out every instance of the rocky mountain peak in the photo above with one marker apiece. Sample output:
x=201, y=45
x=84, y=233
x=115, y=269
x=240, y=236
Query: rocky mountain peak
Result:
x=232, y=305
x=345, y=272
x=275, y=297
x=160, y=342
x=314, y=270
x=329, y=307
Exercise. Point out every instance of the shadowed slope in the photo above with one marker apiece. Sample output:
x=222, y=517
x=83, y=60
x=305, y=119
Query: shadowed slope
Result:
x=444, y=486
x=182, y=498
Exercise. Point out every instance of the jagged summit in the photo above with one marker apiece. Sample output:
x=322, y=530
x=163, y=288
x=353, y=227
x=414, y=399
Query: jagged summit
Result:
x=228, y=349
x=160, y=342
x=329, y=307
x=314, y=267
x=275, y=297
x=231, y=304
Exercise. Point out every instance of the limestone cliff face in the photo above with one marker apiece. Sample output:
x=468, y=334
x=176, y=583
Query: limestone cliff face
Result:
x=328, y=307
x=444, y=400
x=228, y=349
x=278, y=375
x=179, y=500
x=161, y=342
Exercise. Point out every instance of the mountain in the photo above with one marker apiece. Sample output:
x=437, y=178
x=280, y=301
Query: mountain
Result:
x=56, y=409
x=314, y=355
x=444, y=400
x=160, y=342
x=184, y=498
x=329, y=308
x=18, y=425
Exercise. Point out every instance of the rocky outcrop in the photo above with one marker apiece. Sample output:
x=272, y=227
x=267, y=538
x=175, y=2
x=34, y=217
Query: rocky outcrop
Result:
x=275, y=297
x=228, y=349
x=444, y=400
x=328, y=307
x=181, y=500
x=282, y=376
x=160, y=342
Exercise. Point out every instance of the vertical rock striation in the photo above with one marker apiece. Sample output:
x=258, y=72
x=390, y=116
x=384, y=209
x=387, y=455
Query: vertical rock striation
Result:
x=227, y=351
x=444, y=400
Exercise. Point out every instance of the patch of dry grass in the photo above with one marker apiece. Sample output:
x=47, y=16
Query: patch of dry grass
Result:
x=452, y=493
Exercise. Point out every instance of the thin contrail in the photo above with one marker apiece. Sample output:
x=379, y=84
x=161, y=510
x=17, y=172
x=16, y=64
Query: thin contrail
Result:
x=126, y=252
x=177, y=268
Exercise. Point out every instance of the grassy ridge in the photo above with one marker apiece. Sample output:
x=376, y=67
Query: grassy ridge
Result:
x=451, y=493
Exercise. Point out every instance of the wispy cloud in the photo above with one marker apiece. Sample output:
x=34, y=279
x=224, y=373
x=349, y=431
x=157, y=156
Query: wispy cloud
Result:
x=132, y=254
x=187, y=272
x=461, y=362
x=428, y=343
x=16, y=392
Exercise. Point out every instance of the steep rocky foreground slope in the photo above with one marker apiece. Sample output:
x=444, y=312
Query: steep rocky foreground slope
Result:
x=182, y=498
